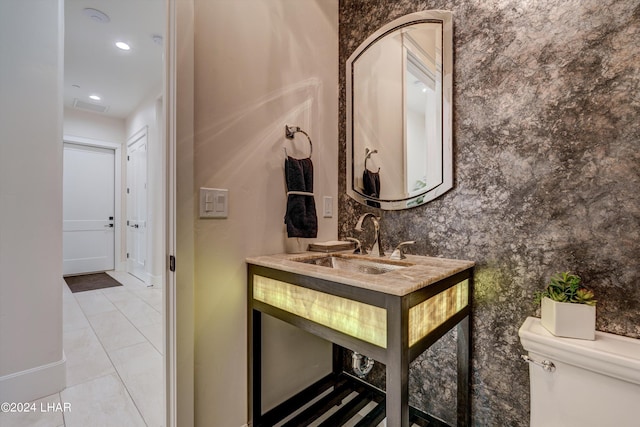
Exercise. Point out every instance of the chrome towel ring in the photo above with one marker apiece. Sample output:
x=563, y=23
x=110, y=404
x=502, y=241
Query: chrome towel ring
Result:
x=290, y=131
x=367, y=153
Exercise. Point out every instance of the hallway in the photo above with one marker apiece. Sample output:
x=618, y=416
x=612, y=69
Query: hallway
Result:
x=113, y=344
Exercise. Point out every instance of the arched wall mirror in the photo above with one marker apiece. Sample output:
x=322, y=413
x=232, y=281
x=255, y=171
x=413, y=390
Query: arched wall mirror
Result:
x=399, y=93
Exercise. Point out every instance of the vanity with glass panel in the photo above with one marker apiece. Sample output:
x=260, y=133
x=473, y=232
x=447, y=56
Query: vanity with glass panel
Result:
x=391, y=311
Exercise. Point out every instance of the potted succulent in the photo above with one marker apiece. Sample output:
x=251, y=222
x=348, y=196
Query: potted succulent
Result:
x=567, y=308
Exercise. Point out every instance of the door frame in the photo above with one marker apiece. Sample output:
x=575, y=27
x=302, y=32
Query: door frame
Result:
x=117, y=147
x=142, y=133
x=180, y=298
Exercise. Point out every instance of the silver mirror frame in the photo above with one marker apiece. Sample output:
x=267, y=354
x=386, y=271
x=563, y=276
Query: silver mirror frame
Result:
x=441, y=16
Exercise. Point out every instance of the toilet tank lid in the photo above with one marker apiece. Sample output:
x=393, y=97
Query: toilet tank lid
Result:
x=609, y=354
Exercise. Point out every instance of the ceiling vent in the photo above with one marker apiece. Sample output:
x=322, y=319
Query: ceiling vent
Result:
x=96, y=15
x=96, y=108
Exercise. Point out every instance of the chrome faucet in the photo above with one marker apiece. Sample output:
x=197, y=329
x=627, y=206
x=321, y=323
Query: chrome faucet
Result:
x=398, y=253
x=376, y=249
x=359, y=249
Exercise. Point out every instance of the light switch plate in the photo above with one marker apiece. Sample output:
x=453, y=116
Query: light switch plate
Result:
x=214, y=202
x=327, y=206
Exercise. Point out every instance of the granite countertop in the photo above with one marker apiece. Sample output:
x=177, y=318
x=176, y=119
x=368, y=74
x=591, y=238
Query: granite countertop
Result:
x=420, y=271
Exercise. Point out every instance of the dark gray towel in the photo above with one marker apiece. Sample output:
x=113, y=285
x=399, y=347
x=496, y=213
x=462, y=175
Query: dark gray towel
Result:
x=301, y=216
x=371, y=181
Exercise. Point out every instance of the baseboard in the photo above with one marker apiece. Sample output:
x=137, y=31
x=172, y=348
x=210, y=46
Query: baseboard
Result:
x=156, y=281
x=151, y=280
x=34, y=383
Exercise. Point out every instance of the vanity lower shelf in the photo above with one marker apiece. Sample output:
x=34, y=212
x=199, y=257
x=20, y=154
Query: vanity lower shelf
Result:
x=336, y=400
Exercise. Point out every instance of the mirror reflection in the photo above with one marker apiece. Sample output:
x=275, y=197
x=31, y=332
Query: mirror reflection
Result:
x=396, y=140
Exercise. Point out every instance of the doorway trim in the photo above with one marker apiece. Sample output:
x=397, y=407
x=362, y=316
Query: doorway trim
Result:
x=180, y=298
x=146, y=276
x=117, y=147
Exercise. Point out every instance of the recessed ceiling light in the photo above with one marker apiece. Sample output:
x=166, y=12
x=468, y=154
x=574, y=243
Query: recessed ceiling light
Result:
x=96, y=15
x=123, y=46
x=95, y=97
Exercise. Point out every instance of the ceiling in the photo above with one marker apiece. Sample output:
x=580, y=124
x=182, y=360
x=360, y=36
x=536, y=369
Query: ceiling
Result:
x=92, y=61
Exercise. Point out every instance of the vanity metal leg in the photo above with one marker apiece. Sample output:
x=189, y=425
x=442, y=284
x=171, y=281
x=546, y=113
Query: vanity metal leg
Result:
x=464, y=372
x=255, y=371
x=397, y=398
x=338, y=357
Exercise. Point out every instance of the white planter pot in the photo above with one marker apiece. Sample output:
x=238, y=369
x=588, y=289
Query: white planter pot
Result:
x=569, y=320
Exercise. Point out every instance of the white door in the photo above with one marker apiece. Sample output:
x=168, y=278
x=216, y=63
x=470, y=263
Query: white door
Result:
x=137, y=206
x=88, y=209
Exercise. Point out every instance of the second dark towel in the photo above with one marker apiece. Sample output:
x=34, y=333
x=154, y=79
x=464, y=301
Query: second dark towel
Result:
x=371, y=181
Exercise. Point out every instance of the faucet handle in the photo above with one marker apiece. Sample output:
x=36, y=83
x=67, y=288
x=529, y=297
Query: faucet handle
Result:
x=398, y=253
x=359, y=249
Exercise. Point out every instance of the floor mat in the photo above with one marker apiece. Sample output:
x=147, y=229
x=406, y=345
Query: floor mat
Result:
x=90, y=282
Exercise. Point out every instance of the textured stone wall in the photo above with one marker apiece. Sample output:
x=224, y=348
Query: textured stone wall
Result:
x=547, y=177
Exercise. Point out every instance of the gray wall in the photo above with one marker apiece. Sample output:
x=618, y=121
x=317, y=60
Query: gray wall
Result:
x=547, y=176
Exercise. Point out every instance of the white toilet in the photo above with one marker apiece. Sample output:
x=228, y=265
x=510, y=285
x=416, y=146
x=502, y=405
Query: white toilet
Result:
x=591, y=383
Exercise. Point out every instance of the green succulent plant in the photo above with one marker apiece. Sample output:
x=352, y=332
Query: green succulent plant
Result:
x=565, y=287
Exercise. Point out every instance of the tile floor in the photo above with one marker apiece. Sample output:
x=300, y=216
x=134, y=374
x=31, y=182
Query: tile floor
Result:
x=113, y=343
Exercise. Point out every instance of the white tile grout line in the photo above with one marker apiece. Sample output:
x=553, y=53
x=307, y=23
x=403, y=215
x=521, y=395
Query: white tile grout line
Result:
x=107, y=353
x=64, y=421
x=124, y=385
x=127, y=317
x=130, y=278
x=142, y=288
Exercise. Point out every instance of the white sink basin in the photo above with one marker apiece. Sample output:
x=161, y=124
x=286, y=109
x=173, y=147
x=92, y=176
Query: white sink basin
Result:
x=353, y=263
